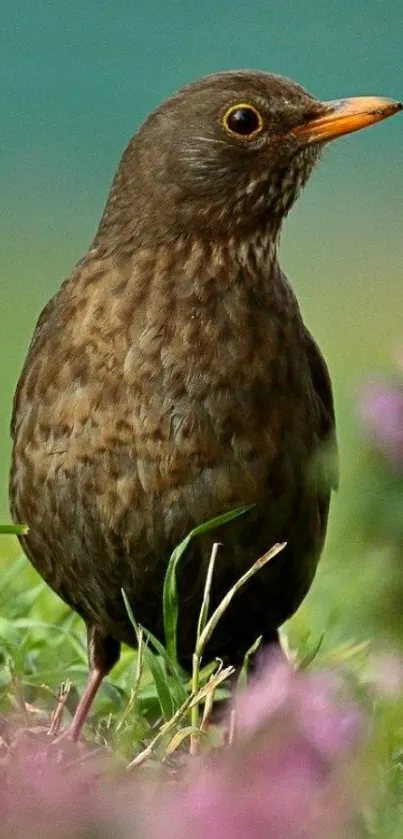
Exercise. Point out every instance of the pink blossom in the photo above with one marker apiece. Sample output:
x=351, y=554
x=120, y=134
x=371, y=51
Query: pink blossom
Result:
x=380, y=410
x=282, y=777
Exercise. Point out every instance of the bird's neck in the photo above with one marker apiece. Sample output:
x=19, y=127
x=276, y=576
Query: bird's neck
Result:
x=193, y=275
x=207, y=266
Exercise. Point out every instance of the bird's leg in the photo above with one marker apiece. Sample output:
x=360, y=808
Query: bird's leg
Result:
x=103, y=653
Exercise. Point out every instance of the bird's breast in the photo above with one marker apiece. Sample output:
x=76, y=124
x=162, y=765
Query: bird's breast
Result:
x=143, y=411
x=183, y=381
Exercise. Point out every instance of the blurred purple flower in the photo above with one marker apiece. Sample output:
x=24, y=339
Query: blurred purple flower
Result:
x=329, y=726
x=41, y=799
x=283, y=777
x=380, y=410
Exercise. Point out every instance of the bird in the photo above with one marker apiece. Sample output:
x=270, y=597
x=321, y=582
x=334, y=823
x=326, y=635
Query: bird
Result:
x=171, y=379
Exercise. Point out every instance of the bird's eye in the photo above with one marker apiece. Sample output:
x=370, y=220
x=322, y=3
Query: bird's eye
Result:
x=243, y=121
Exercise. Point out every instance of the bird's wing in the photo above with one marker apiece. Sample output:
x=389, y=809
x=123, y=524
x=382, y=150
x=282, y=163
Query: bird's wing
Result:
x=323, y=389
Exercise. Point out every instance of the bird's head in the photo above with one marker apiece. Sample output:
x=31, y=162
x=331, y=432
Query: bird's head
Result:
x=227, y=153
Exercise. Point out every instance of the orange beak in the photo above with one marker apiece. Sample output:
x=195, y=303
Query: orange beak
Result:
x=345, y=116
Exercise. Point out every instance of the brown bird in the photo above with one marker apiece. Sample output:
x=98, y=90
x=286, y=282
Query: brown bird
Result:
x=171, y=378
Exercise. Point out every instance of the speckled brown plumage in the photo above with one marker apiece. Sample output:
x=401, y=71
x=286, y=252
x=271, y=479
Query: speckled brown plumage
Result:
x=172, y=378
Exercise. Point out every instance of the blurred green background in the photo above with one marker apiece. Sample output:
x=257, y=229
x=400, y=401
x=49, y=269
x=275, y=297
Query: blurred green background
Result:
x=77, y=79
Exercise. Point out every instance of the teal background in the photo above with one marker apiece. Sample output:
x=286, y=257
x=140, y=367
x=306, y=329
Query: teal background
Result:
x=77, y=78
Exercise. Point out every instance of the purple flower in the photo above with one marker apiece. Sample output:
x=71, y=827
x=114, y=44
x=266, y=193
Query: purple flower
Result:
x=380, y=410
x=41, y=798
x=282, y=777
x=329, y=725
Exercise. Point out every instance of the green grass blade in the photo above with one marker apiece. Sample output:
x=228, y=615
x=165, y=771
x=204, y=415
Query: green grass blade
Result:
x=311, y=654
x=13, y=529
x=154, y=666
x=221, y=608
x=170, y=593
x=181, y=735
x=163, y=692
x=243, y=675
x=178, y=689
x=207, y=589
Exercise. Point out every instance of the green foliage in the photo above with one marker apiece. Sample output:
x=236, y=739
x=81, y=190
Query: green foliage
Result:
x=13, y=529
x=170, y=594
